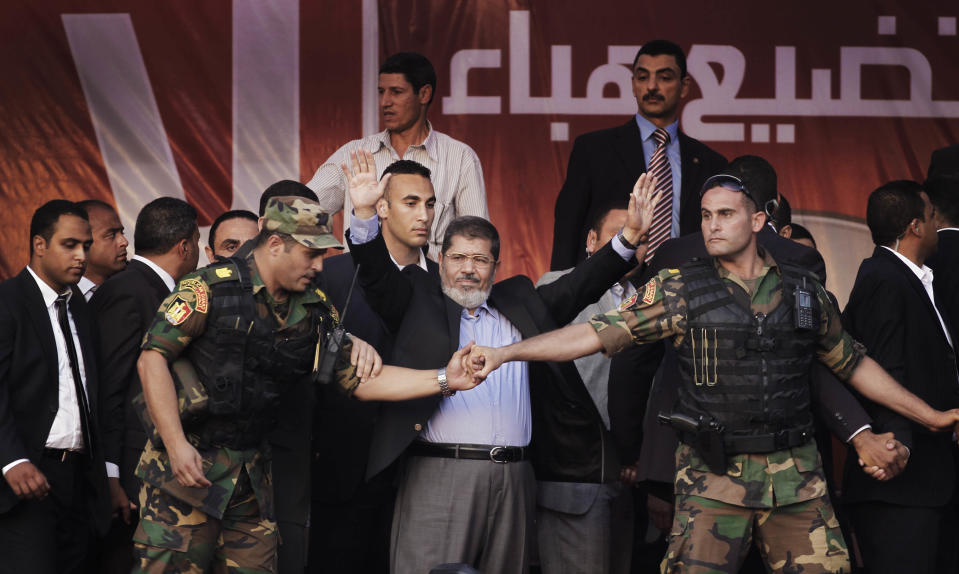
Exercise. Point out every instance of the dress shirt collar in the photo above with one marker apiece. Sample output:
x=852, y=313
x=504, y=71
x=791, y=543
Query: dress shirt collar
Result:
x=924, y=273
x=383, y=140
x=86, y=287
x=421, y=263
x=166, y=277
x=646, y=129
x=483, y=307
x=49, y=295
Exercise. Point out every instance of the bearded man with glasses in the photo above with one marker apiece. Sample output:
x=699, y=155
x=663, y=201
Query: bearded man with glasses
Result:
x=466, y=484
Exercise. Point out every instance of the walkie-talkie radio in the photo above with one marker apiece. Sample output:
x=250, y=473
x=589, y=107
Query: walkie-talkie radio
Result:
x=805, y=312
x=329, y=350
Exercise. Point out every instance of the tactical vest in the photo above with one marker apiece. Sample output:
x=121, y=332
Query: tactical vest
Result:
x=749, y=372
x=244, y=362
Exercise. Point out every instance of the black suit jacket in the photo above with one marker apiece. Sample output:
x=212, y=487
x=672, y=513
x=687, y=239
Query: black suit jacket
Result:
x=343, y=427
x=945, y=267
x=891, y=314
x=603, y=167
x=569, y=441
x=29, y=388
x=124, y=307
x=944, y=161
x=632, y=371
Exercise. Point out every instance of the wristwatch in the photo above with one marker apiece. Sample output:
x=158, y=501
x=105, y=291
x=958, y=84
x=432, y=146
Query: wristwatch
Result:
x=628, y=245
x=444, y=386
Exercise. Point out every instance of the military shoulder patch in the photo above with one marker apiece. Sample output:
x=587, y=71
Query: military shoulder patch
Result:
x=201, y=302
x=649, y=292
x=628, y=302
x=177, y=311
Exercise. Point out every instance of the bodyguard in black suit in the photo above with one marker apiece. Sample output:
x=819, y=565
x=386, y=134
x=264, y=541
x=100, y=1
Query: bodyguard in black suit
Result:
x=125, y=305
x=53, y=498
x=605, y=164
x=891, y=312
x=350, y=522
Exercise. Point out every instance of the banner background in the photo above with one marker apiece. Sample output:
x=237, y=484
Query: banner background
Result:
x=56, y=134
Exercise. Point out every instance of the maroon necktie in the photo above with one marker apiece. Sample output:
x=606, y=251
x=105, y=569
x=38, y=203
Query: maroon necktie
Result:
x=663, y=215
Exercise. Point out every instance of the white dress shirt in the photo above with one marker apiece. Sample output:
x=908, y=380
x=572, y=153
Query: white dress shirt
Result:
x=925, y=276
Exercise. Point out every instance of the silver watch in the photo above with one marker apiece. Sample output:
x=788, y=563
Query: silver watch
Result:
x=444, y=385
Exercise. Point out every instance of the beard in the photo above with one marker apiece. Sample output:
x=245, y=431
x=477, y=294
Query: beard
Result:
x=469, y=298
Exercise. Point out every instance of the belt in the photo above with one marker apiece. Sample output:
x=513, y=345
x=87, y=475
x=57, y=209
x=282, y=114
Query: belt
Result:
x=500, y=454
x=767, y=442
x=64, y=455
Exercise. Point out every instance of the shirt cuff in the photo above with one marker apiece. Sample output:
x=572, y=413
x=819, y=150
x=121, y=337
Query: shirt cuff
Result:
x=113, y=471
x=13, y=464
x=619, y=247
x=363, y=230
x=853, y=435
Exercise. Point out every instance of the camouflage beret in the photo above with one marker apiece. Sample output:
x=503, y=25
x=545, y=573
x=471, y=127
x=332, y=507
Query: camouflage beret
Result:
x=302, y=219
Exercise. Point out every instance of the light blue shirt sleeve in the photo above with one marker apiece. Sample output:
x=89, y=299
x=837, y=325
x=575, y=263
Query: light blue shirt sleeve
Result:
x=363, y=230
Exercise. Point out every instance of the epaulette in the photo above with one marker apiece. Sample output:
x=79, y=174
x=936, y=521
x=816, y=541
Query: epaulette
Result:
x=668, y=273
x=220, y=272
x=324, y=300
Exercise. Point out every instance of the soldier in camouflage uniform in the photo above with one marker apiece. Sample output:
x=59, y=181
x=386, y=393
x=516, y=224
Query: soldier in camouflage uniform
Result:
x=745, y=372
x=223, y=347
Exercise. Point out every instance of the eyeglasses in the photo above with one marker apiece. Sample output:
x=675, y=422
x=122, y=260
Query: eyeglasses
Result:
x=480, y=261
x=725, y=181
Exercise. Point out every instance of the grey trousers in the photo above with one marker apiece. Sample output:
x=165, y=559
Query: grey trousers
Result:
x=472, y=511
x=584, y=528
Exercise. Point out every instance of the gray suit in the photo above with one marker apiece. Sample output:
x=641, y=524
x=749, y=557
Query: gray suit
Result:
x=585, y=527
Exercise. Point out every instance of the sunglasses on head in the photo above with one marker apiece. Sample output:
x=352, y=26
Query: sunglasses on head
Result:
x=725, y=181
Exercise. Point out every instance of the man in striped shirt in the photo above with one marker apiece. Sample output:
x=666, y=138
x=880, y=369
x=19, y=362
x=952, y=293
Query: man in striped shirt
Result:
x=407, y=83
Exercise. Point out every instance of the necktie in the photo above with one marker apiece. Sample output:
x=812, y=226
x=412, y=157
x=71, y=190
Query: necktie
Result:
x=662, y=223
x=75, y=369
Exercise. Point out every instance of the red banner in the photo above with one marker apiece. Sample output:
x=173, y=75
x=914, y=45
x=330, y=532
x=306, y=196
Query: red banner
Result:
x=212, y=101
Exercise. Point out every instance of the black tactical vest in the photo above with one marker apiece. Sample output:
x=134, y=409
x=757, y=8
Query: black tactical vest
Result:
x=749, y=372
x=244, y=362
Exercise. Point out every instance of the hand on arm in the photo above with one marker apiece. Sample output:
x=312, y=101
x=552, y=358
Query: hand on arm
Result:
x=880, y=456
x=364, y=357
x=161, y=399
x=362, y=185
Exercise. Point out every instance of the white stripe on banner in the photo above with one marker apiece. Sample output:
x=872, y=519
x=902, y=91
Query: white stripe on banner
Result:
x=371, y=67
x=129, y=130
x=266, y=97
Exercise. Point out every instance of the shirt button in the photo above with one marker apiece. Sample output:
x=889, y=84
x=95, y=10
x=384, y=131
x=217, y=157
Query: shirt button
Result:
x=417, y=427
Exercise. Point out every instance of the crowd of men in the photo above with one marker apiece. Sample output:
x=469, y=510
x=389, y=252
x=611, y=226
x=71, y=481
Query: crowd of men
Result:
x=665, y=399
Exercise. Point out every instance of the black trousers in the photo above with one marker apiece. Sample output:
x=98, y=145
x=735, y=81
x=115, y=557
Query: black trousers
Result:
x=895, y=539
x=53, y=535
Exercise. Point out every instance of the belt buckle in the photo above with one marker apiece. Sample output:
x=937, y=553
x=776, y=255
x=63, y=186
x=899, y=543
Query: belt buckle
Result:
x=496, y=451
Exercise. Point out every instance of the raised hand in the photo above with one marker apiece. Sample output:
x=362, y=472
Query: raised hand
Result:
x=361, y=182
x=642, y=204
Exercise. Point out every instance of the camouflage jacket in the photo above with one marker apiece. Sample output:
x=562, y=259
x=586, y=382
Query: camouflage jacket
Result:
x=181, y=318
x=657, y=311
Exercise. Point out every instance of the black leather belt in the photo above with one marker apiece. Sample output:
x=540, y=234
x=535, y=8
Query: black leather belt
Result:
x=767, y=442
x=64, y=455
x=500, y=454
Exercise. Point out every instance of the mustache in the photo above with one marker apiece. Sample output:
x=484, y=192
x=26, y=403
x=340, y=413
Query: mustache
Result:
x=652, y=96
x=471, y=277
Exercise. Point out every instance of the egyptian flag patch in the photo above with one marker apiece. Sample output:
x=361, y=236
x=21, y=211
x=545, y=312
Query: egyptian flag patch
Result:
x=628, y=302
x=178, y=310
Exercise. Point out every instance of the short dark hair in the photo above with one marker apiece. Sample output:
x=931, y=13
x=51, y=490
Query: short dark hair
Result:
x=891, y=207
x=661, y=48
x=758, y=176
x=285, y=187
x=943, y=191
x=416, y=68
x=226, y=216
x=163, y=223
x=45, y=218
x=600, y=219
x=86, y=204
x=472, y=227
x=782, y=215
x=405, y=167
x=800, y=232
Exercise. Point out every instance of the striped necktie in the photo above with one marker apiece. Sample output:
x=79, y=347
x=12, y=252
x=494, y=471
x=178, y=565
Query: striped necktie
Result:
x=662, y=224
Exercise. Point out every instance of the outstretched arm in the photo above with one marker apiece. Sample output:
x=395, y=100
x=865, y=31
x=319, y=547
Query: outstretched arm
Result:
x=401, y=384
x=570, y=342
